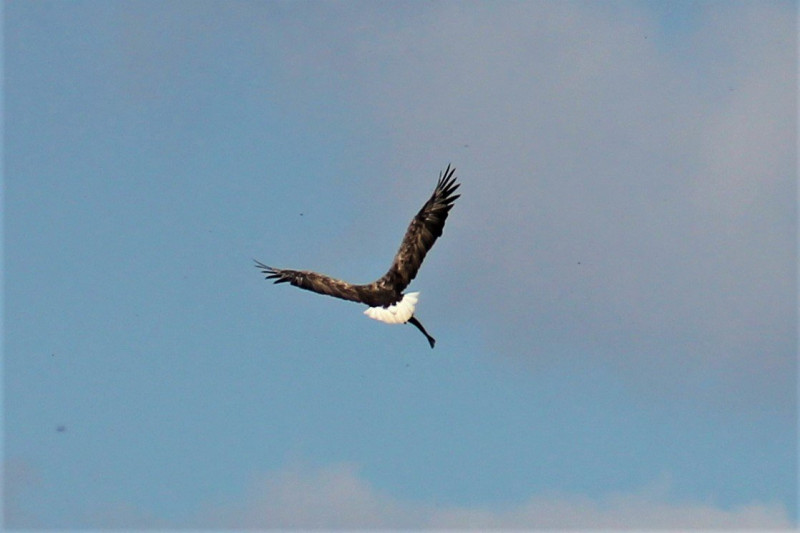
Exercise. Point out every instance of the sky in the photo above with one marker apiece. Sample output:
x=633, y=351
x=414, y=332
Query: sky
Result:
x=614, y=296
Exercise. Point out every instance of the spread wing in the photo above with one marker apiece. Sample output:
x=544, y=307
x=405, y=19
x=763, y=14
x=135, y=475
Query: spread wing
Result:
x=422, y=233
x=311, y=281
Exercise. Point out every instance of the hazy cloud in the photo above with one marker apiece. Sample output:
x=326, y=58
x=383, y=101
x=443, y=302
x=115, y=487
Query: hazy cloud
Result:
x=18, y=478
x=337, y=496
x=628, y=193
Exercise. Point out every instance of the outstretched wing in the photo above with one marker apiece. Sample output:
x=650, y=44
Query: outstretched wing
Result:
x=422, y=233
x=311, y=281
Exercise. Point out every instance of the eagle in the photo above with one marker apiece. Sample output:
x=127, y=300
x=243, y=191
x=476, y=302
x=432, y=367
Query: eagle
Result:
x=384, y=297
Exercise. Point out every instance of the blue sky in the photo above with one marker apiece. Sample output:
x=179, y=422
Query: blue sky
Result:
x=614, y=297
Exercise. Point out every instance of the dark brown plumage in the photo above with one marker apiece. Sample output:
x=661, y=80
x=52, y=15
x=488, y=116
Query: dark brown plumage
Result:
x=425, y=228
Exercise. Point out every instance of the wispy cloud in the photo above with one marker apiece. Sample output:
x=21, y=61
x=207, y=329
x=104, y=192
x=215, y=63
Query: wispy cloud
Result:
x=337, y=496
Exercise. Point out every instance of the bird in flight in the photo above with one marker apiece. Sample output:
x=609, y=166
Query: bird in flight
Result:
x=385, y=296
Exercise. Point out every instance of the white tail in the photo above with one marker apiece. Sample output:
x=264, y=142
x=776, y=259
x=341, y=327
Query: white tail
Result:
x=398, y=313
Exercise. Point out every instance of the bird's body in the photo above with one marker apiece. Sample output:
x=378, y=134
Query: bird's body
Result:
x=385, y=296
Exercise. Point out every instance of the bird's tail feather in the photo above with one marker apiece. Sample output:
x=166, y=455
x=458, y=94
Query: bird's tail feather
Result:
x=398, y=313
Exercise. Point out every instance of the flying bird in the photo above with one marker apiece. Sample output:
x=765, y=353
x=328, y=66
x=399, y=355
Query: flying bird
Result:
x=385, y=296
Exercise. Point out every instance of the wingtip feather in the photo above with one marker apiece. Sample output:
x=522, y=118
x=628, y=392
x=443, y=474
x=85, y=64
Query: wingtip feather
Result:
x=270, y=273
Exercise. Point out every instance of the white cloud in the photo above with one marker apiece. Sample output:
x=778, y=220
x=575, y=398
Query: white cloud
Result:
x=297, y=497
x=338, y=497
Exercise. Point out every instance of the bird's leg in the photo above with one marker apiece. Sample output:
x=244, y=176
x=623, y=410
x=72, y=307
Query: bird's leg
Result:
x=416, y=324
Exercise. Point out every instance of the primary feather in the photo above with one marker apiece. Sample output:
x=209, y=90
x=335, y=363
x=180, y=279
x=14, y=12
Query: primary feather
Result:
x=425, y=228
